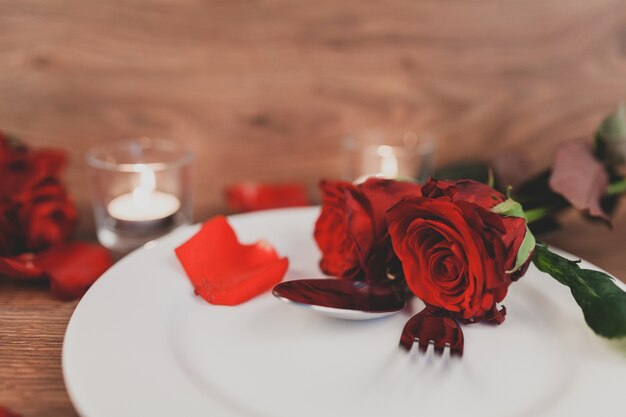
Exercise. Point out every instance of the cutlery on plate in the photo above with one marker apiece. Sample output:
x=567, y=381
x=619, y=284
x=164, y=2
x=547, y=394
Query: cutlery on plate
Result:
x=434, y=327
x=345, y=299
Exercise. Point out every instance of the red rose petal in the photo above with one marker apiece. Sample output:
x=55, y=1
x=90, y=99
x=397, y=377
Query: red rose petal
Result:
x=463, y=190
x=5, y=412
x=351, y=230
x=72, y=268
x=258, y=196
x=225, y=272
x=20, y=267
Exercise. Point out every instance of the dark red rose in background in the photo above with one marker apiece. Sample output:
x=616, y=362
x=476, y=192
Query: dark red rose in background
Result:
x=46, y=215
x=5, y=412
x=37, y=218
x=454, y=250
x=35, y=209
x=8, y=228
x=351, y=230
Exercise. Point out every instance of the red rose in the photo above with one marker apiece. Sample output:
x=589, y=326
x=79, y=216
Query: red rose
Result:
x=47, y=216
x=37, y=217
x=8, y=229
x=5, y=412
x=454, y=250
x=35, y=209
x=352, y=232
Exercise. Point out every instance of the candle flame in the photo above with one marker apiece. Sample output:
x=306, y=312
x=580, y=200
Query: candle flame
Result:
x=388, y=162
x=147, y=185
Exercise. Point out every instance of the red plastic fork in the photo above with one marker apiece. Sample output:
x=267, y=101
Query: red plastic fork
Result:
x=433, y=326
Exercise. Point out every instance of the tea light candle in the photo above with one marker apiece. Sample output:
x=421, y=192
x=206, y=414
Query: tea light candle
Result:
x=141, y=191
x=144, y=203
x=388, y=162
x=388, y=167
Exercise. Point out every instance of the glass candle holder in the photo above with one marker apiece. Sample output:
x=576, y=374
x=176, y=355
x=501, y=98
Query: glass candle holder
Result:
x=141, y=190
x=388, y=155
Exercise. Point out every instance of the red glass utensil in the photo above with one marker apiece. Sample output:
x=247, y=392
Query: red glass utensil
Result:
x=436, y=327
x=356, y=300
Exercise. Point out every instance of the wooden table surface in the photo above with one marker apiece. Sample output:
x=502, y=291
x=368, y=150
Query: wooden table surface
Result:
x=32, y=323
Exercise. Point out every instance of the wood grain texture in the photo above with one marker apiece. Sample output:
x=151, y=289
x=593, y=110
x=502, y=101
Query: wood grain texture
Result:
x=266, y=89
x=32, y=325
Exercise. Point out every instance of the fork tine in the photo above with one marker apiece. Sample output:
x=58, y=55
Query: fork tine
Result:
x=456, y=351
x=423, y=344
x=440, y=346
x=436, y=327
x=406, y=341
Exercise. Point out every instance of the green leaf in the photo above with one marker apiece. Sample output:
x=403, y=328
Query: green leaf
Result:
x=405, y=178
x=525, y=250
x=491, y=180
x=614, y=126
x=610, y=140
x=603, y=303
x=509, y=208
x=512, y=208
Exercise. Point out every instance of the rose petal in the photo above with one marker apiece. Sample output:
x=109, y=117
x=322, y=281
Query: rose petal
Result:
x=36, y=211
x=384, y=193
x=340, y=255
x=225, y=272
x=20, y=267
x=351, y=230
x=463, y=190
x=48, y=216
x=5, y=412
x=73, y=267
x=258, y=196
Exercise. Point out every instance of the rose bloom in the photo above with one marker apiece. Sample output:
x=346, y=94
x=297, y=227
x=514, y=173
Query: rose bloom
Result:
x=455, y=251
x=47, y=216
x=351, y=230
x=8, y=228
x=35, y=209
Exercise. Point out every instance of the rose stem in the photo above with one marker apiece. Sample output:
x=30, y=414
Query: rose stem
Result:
x=616, y=188
x=538, y=213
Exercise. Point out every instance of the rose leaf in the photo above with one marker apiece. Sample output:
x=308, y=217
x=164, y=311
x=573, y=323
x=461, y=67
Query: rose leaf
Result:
x=512, y=208
x=603, y=303
x=509, y=208
x=610, y=140
x=524, y=251
x=580, y=178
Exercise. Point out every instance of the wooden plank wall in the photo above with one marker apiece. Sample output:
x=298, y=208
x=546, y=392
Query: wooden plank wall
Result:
x=266, y=89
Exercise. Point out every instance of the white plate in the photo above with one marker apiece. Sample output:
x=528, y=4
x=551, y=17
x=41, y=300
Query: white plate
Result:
x=140, y=343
